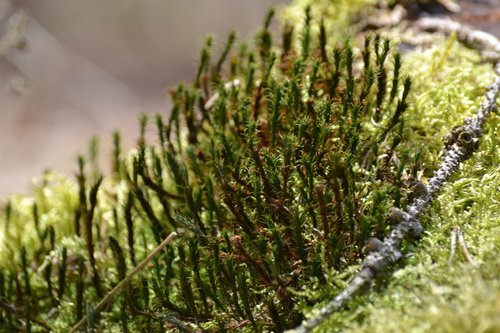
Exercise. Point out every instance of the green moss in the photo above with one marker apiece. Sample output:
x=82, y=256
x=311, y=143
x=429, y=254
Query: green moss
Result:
x=26, y=219
x=431, y=295
x=449, y=82
x=339, y=16
x=428, y=294
x=278, y=162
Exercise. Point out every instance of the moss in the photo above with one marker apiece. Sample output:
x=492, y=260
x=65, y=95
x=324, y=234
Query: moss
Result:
x=276, y=164
x=428, y=294
x=26, y=219
x=339, y=16
x=449, y=82
x=431, y=295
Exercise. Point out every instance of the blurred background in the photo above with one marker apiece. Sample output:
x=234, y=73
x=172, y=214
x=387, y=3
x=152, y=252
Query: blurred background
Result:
x=70, y=70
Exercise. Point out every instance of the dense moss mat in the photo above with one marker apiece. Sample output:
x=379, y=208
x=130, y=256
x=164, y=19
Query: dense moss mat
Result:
x=277, y=162
x=432, y=294
x=428, y=292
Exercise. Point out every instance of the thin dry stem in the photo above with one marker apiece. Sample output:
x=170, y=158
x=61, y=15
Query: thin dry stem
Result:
x=128, y=278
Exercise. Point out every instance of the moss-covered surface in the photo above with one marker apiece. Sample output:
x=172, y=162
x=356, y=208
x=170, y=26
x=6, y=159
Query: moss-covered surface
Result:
x=278, y=183
x=428, y=293
x=432, y=294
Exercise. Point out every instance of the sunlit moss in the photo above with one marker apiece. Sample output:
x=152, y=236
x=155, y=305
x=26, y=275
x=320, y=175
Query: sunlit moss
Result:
x=279, y=168
x=52, y=195
x=432, y=295
x=449, y=81
x=339, y=16
x=428, y=294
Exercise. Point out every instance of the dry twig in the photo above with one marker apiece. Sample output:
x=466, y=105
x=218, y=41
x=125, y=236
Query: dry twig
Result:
x=127, y=279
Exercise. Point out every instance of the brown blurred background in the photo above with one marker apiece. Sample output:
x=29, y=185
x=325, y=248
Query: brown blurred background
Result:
x=73, y=69
x=70, y=70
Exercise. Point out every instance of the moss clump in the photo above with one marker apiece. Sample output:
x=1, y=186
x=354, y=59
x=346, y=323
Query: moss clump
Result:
x=277, y=162
x=273, y=166
x=429, y=294
x=449, y=82
x=432, y=294
x=339, y=16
